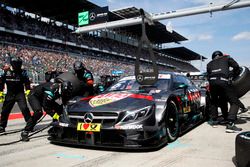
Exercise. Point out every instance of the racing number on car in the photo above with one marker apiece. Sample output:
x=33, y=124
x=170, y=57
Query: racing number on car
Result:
x=90, y=127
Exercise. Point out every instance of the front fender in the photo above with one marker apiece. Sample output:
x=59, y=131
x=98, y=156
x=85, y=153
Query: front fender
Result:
x=161, y=105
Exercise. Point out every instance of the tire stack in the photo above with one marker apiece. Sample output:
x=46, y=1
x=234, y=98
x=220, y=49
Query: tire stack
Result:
x=242, y=149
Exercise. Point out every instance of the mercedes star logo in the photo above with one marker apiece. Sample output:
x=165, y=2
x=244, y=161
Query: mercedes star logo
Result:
x=92, y=16
x=88, y=117
x=140, y=78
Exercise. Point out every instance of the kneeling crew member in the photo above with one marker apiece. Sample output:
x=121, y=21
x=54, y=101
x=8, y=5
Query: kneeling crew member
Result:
x=43, y=97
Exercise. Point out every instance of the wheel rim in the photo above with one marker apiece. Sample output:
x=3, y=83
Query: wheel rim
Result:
x=172, y=121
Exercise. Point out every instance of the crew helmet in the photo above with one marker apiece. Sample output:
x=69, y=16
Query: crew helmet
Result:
x=16, y=63
x=217, y=54
x=78, y=66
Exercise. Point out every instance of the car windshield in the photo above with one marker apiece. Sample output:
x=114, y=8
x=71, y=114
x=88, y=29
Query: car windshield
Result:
x=133, y=86
x=199, y=80
x=198, y=77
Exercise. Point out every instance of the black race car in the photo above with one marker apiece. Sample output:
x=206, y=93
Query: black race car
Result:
x=130, y=115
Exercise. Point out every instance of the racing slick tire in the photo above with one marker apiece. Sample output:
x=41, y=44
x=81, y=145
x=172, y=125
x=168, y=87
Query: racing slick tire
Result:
x=172, y=122
x=241, y=82
x=67, y=76
x=242, y=149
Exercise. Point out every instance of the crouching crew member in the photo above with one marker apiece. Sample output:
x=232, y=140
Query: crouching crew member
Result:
x=218, y=76
x=86, y=78
x=15, y=78
x=43, y=97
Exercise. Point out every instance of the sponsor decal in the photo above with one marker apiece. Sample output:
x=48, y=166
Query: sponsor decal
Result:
x=140, y=78
x=128, y=78
x=92, y=16
x=153, y=91
x=107, y=98
x=161, y=76
x=187, y=109
x=90, y=127
x=113, y=97
x=194, y=95
x=160, y=100
x=160, y=106
x=164, y=76
x=126, y=127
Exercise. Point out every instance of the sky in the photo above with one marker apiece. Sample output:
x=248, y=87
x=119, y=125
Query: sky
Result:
x=227, y=31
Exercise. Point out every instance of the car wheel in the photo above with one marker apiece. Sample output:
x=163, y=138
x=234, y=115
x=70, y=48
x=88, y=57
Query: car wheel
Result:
x=172, y=122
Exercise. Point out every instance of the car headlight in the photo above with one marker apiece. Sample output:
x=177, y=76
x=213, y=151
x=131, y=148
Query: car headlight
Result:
x=136, y=114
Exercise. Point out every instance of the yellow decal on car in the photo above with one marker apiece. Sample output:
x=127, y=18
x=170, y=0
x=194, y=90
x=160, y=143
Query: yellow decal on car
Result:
x=99, y=102
x=107, y=98
x=187, y=109
x=90, y=127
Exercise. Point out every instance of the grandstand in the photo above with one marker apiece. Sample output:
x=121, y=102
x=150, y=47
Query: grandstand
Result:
x=49, y=43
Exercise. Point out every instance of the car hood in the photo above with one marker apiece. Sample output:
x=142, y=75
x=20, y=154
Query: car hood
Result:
x=112, y=101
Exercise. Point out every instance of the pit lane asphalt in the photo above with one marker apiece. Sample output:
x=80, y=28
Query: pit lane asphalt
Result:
x=202, y=146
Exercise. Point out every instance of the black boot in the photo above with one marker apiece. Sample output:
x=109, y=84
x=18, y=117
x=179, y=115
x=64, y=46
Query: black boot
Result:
x=2, y=129
x=231, y=128
x=25, y=136
x=213, y=123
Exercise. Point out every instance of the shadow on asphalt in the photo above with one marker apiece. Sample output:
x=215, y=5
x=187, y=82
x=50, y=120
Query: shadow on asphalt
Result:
x=133, y=150
x=242, y=119
x=234, y=160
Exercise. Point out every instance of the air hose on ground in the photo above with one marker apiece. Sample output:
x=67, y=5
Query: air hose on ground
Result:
x=19, y=130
